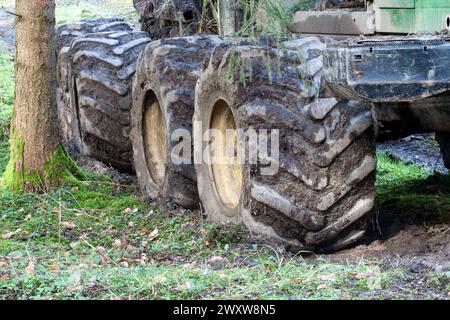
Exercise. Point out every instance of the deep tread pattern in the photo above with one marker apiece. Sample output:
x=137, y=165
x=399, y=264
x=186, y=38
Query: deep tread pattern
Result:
x=169, y=69
x=323, y=194
x=101, y=72
x=65, y=34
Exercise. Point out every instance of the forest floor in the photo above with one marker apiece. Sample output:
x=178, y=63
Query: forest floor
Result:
x=99, y=239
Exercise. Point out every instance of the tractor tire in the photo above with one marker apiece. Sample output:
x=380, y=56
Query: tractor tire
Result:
x=67, y=32
x=163, y=105
x=444, y=143
x=100, y=81
x=64, y=36
x=318, y=194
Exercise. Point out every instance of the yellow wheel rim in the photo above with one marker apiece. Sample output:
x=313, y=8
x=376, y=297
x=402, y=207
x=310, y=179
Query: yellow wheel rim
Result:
x=155, y=141
x=226, y=168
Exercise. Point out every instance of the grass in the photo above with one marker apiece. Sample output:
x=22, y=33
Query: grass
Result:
x=110, y=244
x=6, y=91
x=303, y=5
x=412, y=192
x=6, y=102
x=70, y=10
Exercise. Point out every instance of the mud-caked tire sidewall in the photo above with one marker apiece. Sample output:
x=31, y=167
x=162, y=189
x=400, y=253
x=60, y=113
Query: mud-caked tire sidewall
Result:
x=206, y=96
x=142, y=86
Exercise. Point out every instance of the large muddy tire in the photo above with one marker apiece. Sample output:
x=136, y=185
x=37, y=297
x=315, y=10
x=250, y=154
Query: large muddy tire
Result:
x=100, y=81
x=163, y=106
x=64, y=36
x=322, y=194
x=444, y=143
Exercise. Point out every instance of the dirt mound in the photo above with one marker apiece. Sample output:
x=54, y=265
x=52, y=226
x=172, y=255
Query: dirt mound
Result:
x=417, y=247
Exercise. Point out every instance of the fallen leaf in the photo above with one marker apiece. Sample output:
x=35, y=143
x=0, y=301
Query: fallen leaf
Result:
x=327, y=277
x=117, y=243
x=7, y=234
x=124, y=264
x=54, y=266
x=153, y=235
x=363, y=275
x=27, y=217
x=129, y=210
x=3, y=263
x=189, y=265
x=346, y=295
x=159, y=279
x=69, y=224
x=29, y=270
x=144, y=256
x=5, y=278
x=184, y=286
x=131, y=248
x=322, y=286
x=140, y=262
x=131, y=224
x=215, y=259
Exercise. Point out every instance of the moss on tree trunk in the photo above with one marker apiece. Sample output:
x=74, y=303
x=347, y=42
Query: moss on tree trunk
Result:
x=58, y=170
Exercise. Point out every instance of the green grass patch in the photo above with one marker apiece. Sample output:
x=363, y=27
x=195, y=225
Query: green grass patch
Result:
x=69, y=11
x=4, y=155
x=6, y=91
x=6, y=103
x=100, y=240
x=411, y=191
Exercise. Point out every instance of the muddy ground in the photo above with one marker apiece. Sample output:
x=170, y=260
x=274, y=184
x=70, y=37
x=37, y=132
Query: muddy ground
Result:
x=420, y=247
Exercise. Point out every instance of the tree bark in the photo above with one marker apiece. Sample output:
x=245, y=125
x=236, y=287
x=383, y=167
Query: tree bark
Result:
x=35, y=140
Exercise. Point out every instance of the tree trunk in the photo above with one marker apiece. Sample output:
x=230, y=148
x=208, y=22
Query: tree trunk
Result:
x=37, y=159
